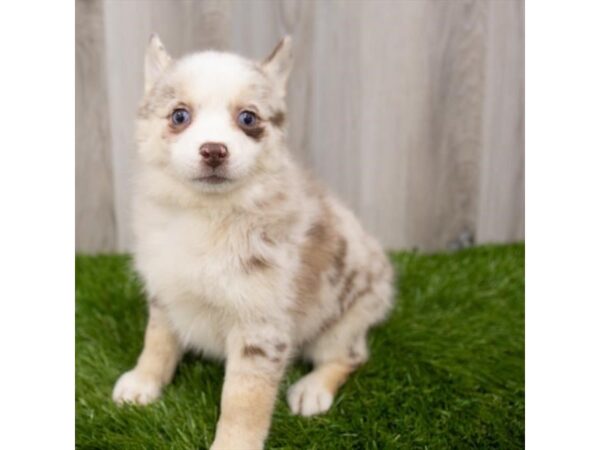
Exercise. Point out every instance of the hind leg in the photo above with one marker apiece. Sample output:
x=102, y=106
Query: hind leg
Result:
x=337, y=353
x=314, y=393
x=364, y=300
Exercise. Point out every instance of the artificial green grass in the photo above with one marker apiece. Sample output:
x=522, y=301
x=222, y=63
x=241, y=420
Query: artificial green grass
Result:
x=446, y=371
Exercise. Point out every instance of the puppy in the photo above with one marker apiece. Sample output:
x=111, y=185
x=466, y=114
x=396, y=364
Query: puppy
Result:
x=244, y=256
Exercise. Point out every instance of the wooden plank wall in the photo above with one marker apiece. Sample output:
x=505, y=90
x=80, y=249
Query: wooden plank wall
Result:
x=412, y=111
x=96, y=228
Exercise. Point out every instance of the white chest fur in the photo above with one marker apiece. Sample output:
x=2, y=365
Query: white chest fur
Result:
x=196, y=267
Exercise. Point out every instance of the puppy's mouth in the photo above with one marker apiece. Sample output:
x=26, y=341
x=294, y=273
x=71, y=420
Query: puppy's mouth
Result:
x=214, y=179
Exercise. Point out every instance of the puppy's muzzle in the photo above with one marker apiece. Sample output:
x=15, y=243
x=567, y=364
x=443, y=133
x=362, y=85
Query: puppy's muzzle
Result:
x=214, y=154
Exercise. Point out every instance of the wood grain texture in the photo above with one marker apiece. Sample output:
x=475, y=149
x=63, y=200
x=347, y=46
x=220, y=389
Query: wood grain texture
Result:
x=411, y=111
x=393, y=89
x=501, y=215
x=443, y=176
x=95, y=227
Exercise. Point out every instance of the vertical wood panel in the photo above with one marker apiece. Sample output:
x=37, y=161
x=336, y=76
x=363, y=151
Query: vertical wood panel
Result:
x=443, y=176
x=334, y=121
x=501, y=215
x=393, y=67
x=95, y=228
x=246, y=37
x=127, y=27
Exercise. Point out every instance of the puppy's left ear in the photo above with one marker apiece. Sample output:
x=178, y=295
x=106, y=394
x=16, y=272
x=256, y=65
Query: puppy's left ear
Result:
x=278, y=64
x=157, y=60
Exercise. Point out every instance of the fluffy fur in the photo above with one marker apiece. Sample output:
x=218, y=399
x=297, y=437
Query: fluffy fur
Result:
x=253, y=261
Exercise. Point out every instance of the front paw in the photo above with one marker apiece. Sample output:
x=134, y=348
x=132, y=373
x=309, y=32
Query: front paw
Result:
x=309, y=396
x=136, y=388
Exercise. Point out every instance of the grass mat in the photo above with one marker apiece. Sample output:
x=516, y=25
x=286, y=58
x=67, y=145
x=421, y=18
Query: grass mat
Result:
x=446, y=371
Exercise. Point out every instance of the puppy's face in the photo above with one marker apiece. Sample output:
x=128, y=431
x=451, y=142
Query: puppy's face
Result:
x=212, y=120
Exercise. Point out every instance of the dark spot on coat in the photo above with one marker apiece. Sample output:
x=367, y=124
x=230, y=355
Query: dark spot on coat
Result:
x=280, y=346
x=256, y=263
x=317, y=253
x=253, y=350
x=255, y=133
x=347, y=287
x=272, y=201
x=317, y=231
x=266, y=238
x=351, y=300
x=339, y=261
x=278, y=119
x=327, y=324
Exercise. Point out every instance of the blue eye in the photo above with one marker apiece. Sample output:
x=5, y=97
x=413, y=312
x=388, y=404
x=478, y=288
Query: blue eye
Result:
x=247, y=119
x=180, y=117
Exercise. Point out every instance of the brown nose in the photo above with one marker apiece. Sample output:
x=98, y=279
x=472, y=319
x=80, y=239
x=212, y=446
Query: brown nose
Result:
x=213, y=153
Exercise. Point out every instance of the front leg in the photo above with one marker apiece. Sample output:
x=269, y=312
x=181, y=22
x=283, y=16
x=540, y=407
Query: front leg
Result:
x=256, y=360
x=155, y=366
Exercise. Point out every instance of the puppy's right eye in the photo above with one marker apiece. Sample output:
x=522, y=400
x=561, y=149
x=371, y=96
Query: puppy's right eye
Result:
x=247, y=119
x=180, y=117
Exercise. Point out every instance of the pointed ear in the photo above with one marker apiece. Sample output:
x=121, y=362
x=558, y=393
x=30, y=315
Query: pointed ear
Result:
x=157, y=60
x=278, y=64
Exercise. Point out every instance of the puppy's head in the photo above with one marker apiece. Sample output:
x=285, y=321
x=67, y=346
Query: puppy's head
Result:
x=213, y=120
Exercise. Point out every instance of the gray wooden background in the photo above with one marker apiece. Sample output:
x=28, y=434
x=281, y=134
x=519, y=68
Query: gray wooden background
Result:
x=411, y=110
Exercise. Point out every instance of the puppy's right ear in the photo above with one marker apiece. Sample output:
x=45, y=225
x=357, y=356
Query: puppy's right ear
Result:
x=278, y=64
x=157, y=60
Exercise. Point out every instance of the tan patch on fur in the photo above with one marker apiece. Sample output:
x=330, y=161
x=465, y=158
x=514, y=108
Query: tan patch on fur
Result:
x=348, y=287
x=253, y=350
x=339, y=261
x=334, y=375
x=350, y=300
x=278, y=119
x=272, y=201
x=161, y=349
x=255, y=133
x=256, y=263
x=328, y=323
x=246, y=408
x=266, y=238
x=317, y=255
x=280, y=346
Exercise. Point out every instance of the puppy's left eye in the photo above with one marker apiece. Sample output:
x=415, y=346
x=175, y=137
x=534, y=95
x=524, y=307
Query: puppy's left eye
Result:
x=247, y=119
x=180, y=117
